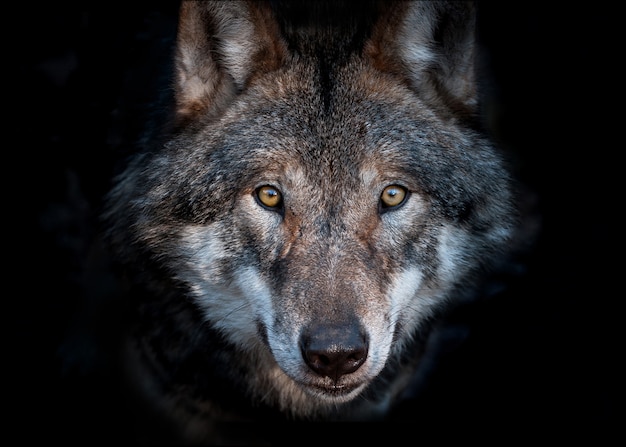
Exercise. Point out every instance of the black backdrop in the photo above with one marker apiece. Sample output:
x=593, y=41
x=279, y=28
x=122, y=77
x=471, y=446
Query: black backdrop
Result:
x=544, y=354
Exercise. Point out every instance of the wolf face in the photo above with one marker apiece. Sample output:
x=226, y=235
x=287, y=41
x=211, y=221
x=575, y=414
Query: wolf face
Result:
x=322, y=195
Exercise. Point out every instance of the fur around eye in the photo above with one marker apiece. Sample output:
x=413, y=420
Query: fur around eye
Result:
x=393, y=196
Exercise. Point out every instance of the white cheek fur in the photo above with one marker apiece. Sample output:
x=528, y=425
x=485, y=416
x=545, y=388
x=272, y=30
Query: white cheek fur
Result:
x=232, y=304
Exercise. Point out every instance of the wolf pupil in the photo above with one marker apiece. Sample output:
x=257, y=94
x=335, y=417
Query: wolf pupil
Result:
x=269, y=196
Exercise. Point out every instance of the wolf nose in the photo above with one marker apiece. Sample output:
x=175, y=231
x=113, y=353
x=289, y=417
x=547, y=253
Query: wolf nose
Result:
x=334, y=351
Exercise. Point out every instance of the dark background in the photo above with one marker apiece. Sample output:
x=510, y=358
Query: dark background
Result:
x=543, y=354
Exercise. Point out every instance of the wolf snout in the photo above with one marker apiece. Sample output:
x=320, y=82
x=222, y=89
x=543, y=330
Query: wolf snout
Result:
x=334, y=351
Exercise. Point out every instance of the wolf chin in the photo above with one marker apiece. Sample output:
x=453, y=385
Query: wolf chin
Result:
x=321, y=193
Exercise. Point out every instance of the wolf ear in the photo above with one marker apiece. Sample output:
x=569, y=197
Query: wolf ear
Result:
x=432, y=45
x=220, y=46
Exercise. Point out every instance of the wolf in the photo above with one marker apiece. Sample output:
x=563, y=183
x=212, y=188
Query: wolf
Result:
x=321, y=192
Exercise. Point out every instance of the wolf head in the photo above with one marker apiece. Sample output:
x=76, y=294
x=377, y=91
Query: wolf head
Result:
x=324, y=190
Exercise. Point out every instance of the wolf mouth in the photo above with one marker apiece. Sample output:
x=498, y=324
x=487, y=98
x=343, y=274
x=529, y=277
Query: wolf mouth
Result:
x=334, y=391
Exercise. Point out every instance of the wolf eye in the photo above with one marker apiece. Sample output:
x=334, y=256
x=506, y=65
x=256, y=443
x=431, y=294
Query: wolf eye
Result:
x=392, y=197
x=269, y=197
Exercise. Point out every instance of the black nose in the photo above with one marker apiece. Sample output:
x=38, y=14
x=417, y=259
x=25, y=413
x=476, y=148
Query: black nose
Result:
x=334, y=350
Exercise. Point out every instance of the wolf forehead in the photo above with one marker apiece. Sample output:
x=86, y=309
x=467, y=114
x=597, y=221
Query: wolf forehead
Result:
x=288, y=113
x=272, y=127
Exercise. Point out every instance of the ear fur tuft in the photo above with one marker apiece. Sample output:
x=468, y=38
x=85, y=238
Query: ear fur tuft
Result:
x=432, y=45
x=220, y=46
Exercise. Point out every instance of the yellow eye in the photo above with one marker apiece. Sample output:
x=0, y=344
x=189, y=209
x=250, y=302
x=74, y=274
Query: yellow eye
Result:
x=392, y=196
x=269, y=197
